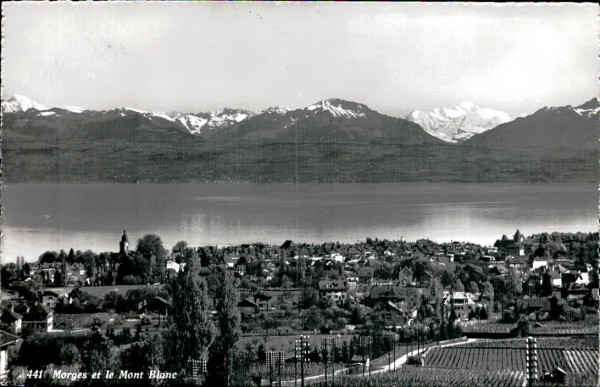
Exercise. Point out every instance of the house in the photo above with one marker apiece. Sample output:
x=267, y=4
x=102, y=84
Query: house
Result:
x=463, y=302
x=12, y=320
x=231, y=260
x=391, y=315
x=365, y=275
x=240, y=269
x=172, y=265
x=156, y=305
x=338, y=257
x=22, y=308
x=333, y=292
x=574, y=277
x=247, y=307
x=529, y=306
x=405, y=276
x=557, y=376
x=52, y=295
x=516, y=262
x=7, y=340
x=423, y=278
x=262, y=300
x=556, y=279
x=38, y=319
x=539, y=262
x=583, y=279
x=383, y=293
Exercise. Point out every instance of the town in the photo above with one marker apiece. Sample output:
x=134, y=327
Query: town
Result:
x=378, y=311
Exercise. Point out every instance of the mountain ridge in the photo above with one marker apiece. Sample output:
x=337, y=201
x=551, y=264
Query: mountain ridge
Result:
x=331, y=140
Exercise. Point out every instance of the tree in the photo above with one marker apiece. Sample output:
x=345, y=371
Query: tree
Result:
x=179, y=247
x=151, y=245
x=223, y=351
x=48, y=257
x=71, y=257
x=69, y=355
x=472, y=287
x=483, y=315
x=458, y=286
x=143, y=355
x=488, y=291
x=58, y=278
x=191, y=330
x=96, y=353
x=437, y=289
x=546, y=285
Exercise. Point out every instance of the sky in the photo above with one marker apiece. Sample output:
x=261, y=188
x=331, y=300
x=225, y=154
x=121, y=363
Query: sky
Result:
x=164, y=56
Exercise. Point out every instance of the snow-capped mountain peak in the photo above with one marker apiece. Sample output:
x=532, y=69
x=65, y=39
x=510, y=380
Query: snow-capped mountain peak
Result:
x=460, y=122
x=20, y=103
x=277, y=110
x=339, y=108
x=588, y=109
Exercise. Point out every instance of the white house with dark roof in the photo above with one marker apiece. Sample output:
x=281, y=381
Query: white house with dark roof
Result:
x=334, y=291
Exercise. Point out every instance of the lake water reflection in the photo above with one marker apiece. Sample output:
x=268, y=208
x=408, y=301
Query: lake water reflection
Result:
x=40, y=217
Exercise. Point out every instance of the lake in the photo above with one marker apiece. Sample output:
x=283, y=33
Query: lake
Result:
x=40, y=217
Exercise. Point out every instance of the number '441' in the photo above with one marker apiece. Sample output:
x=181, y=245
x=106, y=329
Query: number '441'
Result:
x=37, y=374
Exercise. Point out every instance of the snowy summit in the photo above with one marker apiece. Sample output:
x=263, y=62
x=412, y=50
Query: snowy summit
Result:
x=339, y=108
x=20, y=103
x=458, y=123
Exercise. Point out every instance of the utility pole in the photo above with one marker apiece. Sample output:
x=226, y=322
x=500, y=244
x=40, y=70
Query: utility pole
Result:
x=328, y=344
x=302, y=346
x=365, y=344
x=281, y=360
x=296, y=349
x=270, y=359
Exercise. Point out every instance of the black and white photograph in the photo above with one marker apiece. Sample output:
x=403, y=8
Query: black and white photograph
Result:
x=294, y=194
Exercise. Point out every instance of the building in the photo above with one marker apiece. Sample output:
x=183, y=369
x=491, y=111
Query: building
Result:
x=7, y=340
x=231, y=260
x=365, y=275
x=172, y=265
x=381, y=294
x=124, y=244
x=247, y=307
x=333, y=292
x=38, y=319
x=12, y=320
x=156, y=305
x=405, y=276
x=51, y=296
x=539, y=262
x=518, y=237
x=391, y=315
x=463, y=303
x=423, y=278
x=262, y=300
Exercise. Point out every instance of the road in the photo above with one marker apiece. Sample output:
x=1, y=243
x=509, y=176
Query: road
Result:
x=396, y=364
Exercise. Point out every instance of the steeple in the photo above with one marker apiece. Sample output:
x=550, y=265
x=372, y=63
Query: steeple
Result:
x=124, y=244
x=518, y=237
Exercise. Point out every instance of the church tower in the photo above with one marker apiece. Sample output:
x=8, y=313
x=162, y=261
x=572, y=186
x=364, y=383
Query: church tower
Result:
x=124, y=244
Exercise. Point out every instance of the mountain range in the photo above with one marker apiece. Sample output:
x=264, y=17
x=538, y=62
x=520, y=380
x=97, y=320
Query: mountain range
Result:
x=330, y=140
